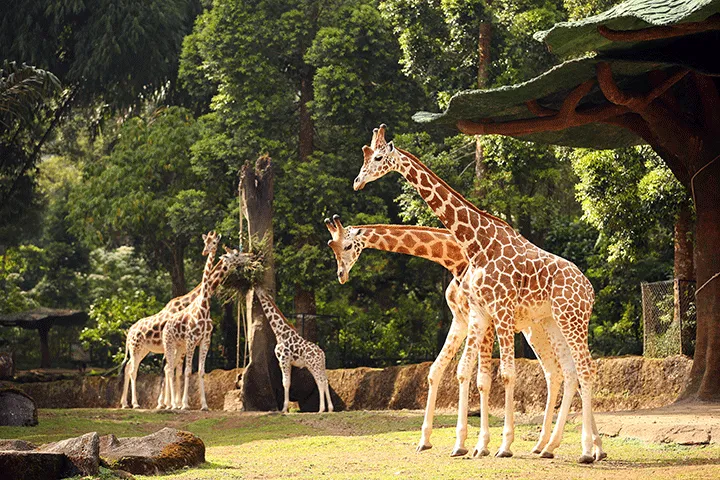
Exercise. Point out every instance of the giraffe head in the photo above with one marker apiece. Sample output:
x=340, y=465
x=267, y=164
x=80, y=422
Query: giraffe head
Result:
x=212, y=240
x=379, y=159
x=346, y=244
x=233, y=258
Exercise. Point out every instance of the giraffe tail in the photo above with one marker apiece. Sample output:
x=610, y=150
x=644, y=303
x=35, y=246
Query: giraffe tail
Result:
x=121, y=368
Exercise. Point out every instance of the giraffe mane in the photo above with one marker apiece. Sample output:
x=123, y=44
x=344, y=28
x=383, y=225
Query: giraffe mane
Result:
x=483, y=213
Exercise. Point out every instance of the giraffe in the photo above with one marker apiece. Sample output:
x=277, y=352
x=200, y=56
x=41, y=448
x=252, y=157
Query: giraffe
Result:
x=192, y=327
x=510, y=283
x=144, y=336
x=294, y=351
x=439, y=246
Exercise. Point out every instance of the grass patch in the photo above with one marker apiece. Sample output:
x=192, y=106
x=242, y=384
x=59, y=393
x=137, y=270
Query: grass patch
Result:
x=369, y=445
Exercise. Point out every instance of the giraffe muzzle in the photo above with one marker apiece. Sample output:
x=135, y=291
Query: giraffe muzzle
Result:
x=358, y=184
x=342, y=276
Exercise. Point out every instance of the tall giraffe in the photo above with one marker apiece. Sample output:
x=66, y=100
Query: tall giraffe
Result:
x=439, y=246
x=144, y=336
x=294, y=351
x=510, y=283
x=192, y=327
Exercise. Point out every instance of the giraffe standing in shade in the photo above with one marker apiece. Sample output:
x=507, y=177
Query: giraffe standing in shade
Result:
x=192, y=327
x=145, y=335
x=439, y=246
x=294, y=351
x=510, y=283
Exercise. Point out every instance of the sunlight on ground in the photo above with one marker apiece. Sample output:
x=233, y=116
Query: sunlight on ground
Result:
x=369, y=445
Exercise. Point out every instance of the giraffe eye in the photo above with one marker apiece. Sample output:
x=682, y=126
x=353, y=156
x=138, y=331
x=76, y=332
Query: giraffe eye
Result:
x=347, y=247
x=378, y=158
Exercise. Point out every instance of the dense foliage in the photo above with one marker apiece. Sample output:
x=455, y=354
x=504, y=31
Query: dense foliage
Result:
x=173, y=97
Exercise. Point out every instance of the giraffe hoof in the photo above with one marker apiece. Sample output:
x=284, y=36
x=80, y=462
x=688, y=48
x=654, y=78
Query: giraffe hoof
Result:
x=586, y=459
x=536, y=450
x=205, y=408
x=124, y=406
x=504, y=454
x=481, y=453
x=599, y=456
x=459, y=452
x=422, y=448
x=136, y=406
x=545, y=454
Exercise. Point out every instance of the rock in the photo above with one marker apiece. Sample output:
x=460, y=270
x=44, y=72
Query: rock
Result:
x=7, y=366
x=35, y=465
x=233, y=401
x=17, y=409
x=161, y=452
x=83, y=452
x=16, y=445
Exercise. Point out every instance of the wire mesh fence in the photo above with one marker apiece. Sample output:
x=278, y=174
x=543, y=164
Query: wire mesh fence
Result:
x=669, y=318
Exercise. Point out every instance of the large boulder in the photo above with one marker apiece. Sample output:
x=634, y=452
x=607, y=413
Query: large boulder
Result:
x=16, y=445
x=7, y=366
x=160, y=452
x=35, y=465
x=83, y=452
x=17, y=409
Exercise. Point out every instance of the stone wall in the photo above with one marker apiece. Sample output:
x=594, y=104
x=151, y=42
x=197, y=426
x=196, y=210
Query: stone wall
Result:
x=623, y=383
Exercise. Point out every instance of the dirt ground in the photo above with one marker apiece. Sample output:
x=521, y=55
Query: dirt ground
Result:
x=688, y=423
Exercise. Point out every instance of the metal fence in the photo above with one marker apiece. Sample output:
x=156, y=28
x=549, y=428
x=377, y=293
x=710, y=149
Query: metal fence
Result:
x=669, y=318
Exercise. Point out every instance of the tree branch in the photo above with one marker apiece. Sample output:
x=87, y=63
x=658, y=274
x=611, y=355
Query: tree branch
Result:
x=537, y=109
x=655, y=33
x=636, y=103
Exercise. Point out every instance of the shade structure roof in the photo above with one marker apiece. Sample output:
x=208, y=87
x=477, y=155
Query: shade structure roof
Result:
x=631, y=61
x=41, y=317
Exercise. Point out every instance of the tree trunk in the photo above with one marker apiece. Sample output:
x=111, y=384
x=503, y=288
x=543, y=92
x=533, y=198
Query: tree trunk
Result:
x=304, y=303
x=262, y=381
x=484, y=36
x=707, y=347
x=228, y=327
x=43, y=331
x=177, y=271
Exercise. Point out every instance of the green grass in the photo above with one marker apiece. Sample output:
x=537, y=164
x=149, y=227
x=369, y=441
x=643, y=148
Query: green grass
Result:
x=369, y=445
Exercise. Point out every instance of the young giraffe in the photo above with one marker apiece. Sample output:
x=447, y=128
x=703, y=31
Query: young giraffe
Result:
x=439, y=246
x=294, y=351
x=192, y=327
x=144, y=336
x=510, y=283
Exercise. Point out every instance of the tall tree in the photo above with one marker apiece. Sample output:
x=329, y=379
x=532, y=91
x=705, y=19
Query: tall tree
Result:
x=146, y=193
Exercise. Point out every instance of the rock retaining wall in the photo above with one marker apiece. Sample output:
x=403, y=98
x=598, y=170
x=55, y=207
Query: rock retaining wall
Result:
x=623, y=383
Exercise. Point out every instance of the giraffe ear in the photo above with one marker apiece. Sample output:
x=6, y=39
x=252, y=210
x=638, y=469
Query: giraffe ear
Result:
x=391, y=146
x=204, y=237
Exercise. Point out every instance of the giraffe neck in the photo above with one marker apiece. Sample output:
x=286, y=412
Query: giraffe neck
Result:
x=277, y=320
x=473, y=229
x=435, y=244
x=209, y=263
x=214, y=279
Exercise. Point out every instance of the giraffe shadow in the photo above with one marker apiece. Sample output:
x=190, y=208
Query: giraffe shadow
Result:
x=303, y=390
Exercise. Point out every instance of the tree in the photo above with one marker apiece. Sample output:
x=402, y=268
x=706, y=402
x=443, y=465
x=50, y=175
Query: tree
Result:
x=643, y=86
x=146, y=193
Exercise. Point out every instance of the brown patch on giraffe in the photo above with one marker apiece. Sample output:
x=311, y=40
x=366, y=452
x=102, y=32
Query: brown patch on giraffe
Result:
x=449, y=216
x=421, y=251
x=373, y=239
x=462, y=215
x=391, y=242
x=424, y=237
x=412, y=176
x=437, y=249
x=475, y=221
x=434, y=202
x=409, y=241
x=425, y=180
x=404, y=250
x=463, y=233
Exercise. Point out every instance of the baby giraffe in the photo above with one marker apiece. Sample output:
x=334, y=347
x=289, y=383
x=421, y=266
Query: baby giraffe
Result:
x=294, y=351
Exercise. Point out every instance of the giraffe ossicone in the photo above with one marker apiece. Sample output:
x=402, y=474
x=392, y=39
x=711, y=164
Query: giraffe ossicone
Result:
x=510, y=284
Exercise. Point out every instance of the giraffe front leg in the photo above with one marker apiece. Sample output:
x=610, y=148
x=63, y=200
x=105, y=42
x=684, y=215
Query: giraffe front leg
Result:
x=126, y=383
x=484, y=380
x=457, y=333
x=463, y=376
x=204, y=347
x=170, y=355
x=539, y=341
x=286, y=369
x=507, y=372
x=189, y=353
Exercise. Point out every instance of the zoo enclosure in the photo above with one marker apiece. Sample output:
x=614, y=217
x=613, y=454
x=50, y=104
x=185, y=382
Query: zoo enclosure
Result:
x=669, y=318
